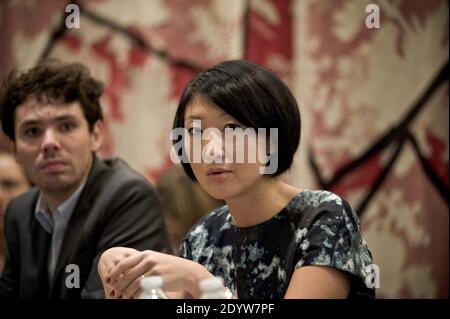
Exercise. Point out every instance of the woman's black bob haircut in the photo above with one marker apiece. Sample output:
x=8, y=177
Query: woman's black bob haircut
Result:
x=255, y=97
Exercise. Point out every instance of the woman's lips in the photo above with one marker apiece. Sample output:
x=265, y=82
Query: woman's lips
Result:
x=218, y=174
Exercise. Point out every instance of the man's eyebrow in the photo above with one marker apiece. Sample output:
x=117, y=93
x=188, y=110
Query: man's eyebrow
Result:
x=64, y=118
x=56, y=119
x=29, y=122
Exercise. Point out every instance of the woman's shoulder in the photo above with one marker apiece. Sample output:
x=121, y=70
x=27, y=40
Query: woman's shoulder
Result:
x=315, y=198
x=311, y=206
x=329, y=234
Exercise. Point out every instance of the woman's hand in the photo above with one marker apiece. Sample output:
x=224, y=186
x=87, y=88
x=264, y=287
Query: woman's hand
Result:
x=179, y=274
x=108, y=260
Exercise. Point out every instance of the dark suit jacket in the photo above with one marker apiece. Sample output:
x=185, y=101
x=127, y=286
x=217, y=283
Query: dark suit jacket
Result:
x=117, y=207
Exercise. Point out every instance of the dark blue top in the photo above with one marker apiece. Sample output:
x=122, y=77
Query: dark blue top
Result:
x=315, y=228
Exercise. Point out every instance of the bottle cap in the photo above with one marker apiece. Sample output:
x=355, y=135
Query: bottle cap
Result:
x=151, y=282
x=209, y=284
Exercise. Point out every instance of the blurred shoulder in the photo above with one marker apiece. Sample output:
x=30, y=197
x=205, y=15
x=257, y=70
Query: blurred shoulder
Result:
x=22, y=207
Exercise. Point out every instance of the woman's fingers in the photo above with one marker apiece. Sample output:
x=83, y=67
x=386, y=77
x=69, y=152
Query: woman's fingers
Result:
x=127, y=279
x=124, y=265
x=134, y=273
x=133, y=290
x=178, y=273
x=112, y=257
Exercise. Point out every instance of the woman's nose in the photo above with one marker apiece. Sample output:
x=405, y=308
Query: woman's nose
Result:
x=214, y=149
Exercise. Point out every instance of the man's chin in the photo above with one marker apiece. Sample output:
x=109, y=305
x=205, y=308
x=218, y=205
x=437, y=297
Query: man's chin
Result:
x=56, y=185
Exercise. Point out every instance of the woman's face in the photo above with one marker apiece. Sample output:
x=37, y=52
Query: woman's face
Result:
x=225, y=168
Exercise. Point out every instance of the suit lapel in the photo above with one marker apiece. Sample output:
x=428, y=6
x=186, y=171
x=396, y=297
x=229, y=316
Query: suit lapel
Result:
x=40, y=242
x=74, y=231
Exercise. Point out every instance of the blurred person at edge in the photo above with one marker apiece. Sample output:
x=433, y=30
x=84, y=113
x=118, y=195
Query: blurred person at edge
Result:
x=81, y=205
x=184, y=202
x=13, y=182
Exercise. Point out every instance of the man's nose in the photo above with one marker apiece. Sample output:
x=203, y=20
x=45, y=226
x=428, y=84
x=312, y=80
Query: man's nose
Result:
x=50, y=142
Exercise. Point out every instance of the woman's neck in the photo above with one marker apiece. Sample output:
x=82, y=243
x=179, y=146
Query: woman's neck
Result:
x=265, y=199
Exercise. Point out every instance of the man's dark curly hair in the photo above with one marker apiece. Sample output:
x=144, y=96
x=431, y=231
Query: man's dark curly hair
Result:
x=51, y=81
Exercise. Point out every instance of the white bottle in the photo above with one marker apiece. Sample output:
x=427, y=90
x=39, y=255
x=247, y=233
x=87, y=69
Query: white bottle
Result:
x=212, y=288
x=152, y=288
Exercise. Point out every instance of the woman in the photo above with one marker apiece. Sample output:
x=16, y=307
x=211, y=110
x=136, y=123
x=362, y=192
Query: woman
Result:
x=270, y=240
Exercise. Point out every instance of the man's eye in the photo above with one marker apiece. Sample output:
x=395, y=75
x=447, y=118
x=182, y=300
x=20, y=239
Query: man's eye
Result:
x=195, y=131
x=32, y=132
x=67, y=127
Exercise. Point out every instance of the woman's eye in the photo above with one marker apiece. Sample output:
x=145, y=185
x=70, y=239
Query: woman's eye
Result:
x=231, y=126
x=195, y=130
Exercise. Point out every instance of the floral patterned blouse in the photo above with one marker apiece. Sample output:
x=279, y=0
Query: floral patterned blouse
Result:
x=315, y=228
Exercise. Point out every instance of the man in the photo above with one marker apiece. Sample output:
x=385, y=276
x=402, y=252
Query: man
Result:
x=81, y=205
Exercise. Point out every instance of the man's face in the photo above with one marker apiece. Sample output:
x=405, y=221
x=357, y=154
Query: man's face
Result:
x=54, y=145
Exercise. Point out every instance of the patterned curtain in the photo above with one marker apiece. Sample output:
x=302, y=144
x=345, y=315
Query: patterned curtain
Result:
x=374, y=101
